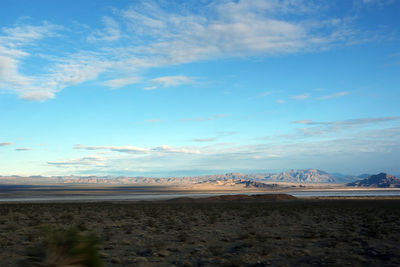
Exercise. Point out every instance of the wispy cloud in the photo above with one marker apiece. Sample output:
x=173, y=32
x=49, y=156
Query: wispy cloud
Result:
x=340, y=149
x=92, y=160
x=228, y=156
x=358, y=121
x=110, y=32
x=167, y=81
x=138, y=150
x=378, y=2
x=148, y=36
x=125, y=149
x=5, y=144
x=165, y=148
x=218, y=136
x=121, y=82
x=309, y=96
x=13, y=45
x=261, y=95
x=331, y=128
x=301, y=97
x=204, y=140
x=23, y=149
x=334, y=95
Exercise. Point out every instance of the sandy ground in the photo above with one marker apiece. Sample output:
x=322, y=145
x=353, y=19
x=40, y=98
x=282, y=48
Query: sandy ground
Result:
x=295, y=232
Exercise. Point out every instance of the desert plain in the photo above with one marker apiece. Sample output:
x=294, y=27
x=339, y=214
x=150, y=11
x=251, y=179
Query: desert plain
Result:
x=216, y=231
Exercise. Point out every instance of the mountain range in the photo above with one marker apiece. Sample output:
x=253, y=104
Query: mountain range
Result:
x=308, y=176
x=381, y=180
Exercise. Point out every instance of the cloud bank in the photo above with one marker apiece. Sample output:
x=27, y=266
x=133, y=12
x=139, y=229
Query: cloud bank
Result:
x=365, y=144
x=157, y=34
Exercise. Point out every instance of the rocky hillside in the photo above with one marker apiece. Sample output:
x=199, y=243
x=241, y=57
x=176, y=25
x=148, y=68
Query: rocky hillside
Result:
x=381, y=180
x=302, y=176
x=292, y=176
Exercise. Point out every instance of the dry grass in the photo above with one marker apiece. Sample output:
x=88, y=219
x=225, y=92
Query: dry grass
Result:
x=324, y=232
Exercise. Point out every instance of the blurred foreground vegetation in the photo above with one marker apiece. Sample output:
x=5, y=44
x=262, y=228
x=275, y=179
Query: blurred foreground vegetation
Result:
x=300, y=232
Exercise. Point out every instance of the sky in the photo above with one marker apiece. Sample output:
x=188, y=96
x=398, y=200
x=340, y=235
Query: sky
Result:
x=182, y=88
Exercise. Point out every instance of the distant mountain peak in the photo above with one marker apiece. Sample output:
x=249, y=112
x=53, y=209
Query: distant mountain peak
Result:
x=381, y=180
x=303, y=176
x=235, y=174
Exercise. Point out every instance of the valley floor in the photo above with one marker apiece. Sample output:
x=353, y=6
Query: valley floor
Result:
x=294, y=232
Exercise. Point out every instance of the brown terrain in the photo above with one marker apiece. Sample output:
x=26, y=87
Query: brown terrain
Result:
x=256, y=230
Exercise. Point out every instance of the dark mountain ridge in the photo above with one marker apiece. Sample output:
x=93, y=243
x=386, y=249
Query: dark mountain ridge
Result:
x=381, y=180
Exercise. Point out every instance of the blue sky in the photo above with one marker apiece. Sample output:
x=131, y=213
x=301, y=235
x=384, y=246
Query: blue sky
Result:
x=161, y=88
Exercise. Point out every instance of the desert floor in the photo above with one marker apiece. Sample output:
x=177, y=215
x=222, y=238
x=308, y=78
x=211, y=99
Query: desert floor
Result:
x=214, y=233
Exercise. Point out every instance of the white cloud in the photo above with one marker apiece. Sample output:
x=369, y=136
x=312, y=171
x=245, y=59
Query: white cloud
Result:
x=138, y=150
x=125, y=149
x=111, y=31
x=26, y=34
x=325, y=97
x=150, y=87
x=128, y=158
x=358, y=121
x=36, y=95
x=62, y=71
x=121, y=82
x=165, y=148
x=238, y=29
x=218, y=136
x=264, y=94
x=76, y=69
x=334, y=95
x=303, y=122
x=333, y=128
x=147, y=35
x=204, y=140
x=91, y=160
x=10, y=78
x=167, y=81
x=12, y=53
x=338, y=150
x=301, y=97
